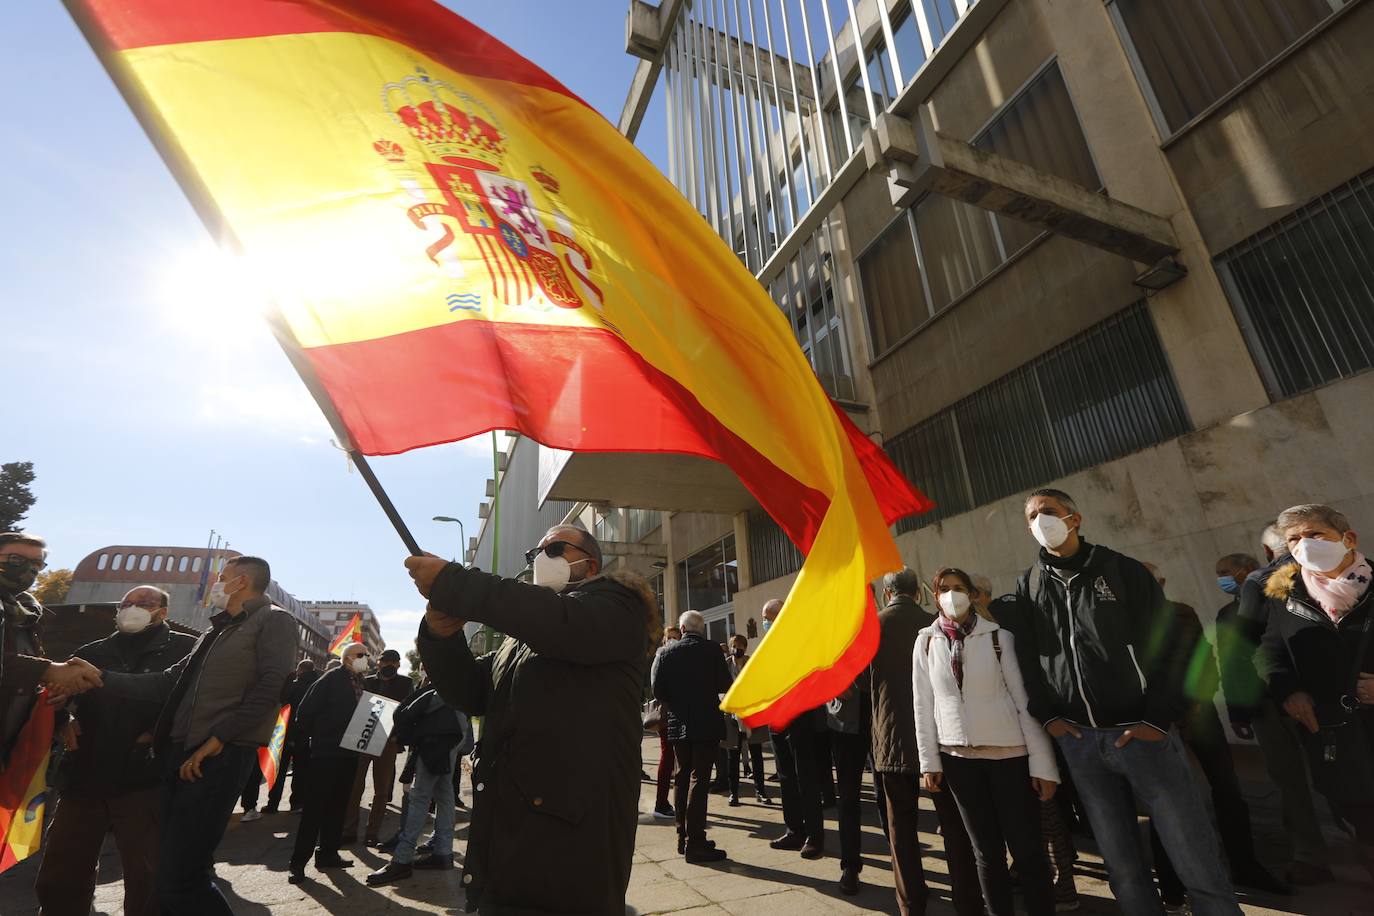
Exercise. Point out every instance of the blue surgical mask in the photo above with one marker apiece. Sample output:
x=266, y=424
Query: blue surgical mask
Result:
x=766, y=624
x=1228, y=584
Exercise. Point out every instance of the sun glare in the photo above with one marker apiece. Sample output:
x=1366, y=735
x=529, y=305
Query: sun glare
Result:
x=204, y=283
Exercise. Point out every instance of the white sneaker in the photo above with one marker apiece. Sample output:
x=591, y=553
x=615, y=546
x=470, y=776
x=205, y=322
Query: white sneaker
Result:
x=249, y=816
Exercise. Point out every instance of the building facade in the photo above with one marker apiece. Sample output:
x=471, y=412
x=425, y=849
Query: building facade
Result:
x=1120, y=247
x=334, y=617
x=185, y=573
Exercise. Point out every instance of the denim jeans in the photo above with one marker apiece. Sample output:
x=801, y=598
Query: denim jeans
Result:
x=1158, y=775
x=194, y=815
x=428, y=787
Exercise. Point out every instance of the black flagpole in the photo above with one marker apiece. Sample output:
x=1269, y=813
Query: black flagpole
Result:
x=384, y=501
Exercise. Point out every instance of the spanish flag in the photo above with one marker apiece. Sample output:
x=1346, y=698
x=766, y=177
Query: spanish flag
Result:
x=456, y=243
x=24, y=787
x=350, y=634
x=269, y=757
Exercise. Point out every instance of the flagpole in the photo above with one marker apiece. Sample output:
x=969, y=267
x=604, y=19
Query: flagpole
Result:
x=495, y=519
x=384, y=501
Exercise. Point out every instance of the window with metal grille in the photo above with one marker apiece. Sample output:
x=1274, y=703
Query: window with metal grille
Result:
x=1189, y=53
x=1303, y=290
x=771, y=551
x=1098, y=396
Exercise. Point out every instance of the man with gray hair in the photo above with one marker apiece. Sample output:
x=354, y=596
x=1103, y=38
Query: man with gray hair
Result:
x=689, y=680
x=896, y=767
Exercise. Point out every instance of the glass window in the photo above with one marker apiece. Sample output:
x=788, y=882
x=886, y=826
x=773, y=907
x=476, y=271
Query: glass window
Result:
x=958, y=247
x=721, y=629
x=1040, y=128
x=894, y=298
x=103, y=561
x=1303, y=290
x=708, y=578
x=1192, y=52
x=928, y=455
x=181, y=566
x=195, y=565
x=157, y=563
x=771, y=552
x=911, y=54
x=118, y=561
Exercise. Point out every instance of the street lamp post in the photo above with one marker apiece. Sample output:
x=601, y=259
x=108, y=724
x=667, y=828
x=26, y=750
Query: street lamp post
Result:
x=462, y=534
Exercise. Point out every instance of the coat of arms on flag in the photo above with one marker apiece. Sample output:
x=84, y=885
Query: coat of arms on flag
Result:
x=463, y=153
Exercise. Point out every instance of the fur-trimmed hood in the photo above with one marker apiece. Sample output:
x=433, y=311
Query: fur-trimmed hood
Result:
x=1282, y=582
x=653, y=619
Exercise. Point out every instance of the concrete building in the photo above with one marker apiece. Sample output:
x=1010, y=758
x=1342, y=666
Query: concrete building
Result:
x=185, y=573
x=334, y=616
x=1122, y=248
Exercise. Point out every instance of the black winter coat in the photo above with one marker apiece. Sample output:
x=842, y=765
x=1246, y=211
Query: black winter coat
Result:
x=1093, y=642
x=690, y=678
x=556, y=786
x=109, y=759
x=894, y=713
x=325, y=713
x=1304, y=651
x=429, y=727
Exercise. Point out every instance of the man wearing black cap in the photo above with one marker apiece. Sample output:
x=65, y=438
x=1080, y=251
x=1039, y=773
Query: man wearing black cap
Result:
x=387, y=682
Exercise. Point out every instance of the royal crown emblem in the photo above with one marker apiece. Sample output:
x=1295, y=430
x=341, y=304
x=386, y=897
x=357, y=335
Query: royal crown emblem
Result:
x=525, y=243
x=451, y=124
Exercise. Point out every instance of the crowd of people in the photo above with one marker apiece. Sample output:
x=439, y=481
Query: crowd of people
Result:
x=1072, y=701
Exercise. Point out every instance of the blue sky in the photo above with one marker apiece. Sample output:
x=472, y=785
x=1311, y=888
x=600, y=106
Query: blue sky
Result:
x=153, y=405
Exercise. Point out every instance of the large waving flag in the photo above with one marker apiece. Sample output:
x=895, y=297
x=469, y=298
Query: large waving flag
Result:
x=456, y=243
x=24, y=787
x=348, y=635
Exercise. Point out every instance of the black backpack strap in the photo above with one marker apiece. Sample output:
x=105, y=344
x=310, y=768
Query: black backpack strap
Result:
x=996, y=645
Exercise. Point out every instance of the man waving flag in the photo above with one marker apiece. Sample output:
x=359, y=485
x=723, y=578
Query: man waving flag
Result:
x=456, y=243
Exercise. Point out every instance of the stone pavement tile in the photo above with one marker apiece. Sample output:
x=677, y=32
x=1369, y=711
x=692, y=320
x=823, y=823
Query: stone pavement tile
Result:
x=665, y=897
x=787, y=903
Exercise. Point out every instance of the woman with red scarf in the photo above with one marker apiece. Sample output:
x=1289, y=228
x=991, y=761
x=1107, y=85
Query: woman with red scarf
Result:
x=976, y=740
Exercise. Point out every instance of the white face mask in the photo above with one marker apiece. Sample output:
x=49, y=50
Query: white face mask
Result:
x=219, y=598
x=552, y=572
x=1049, y=530
x=360, y=664
x=953, y=604
x=133, y=619
x=1316, y=555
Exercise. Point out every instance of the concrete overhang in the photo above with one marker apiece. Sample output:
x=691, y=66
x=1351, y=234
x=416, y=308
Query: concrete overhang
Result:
x=669, y=483
x=919, y=159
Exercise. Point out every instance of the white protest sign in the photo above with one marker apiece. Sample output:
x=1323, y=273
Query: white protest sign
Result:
x=370, y=726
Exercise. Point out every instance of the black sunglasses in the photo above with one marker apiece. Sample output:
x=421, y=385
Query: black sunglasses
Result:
x=553, y=549
x=16, y=561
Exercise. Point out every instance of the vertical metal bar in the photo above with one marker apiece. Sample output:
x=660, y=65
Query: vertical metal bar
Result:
x=766, y=128
x=817, y=107
x=760, y=211
x=918, y=9
x=706, y=109
x=670, y=112
x=891, y=42
x=735, y=119
x=683, y=138
x=688, y=126
x=863, y=60
x=718, y=100
x=811, y=189
x=789, y=183
x=839, y=81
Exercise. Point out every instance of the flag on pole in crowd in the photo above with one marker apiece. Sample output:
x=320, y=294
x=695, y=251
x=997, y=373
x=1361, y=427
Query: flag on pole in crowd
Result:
x=350, y=634
x=457, y=243
x=24, y=786
x=269, y=757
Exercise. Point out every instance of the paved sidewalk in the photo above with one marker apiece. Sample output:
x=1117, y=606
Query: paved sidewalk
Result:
x=756, y=881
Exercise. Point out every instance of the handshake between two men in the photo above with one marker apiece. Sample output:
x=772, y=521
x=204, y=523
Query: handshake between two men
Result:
x=69, y=678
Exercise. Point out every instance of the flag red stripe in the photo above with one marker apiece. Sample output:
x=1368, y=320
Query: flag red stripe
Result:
x=424, y=25
x=570, y=388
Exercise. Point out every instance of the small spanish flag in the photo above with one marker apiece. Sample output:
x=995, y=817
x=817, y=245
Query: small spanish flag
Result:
x=269, y=758
x=351, y=634
x=457, y=243
x=24, y=787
